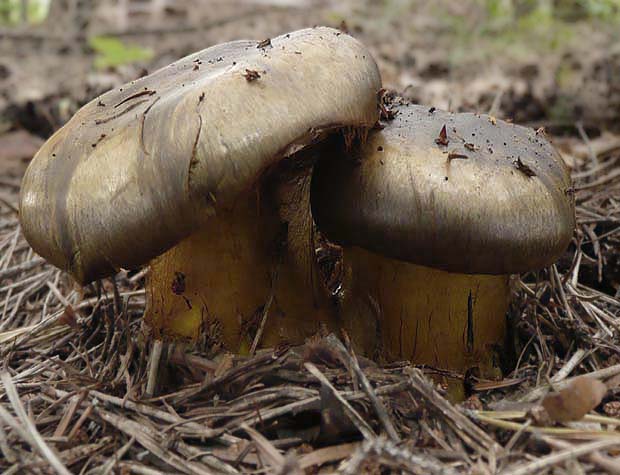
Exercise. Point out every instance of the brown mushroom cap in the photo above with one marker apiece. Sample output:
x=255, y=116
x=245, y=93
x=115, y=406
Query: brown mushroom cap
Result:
x=488, y=198
x=139, y=168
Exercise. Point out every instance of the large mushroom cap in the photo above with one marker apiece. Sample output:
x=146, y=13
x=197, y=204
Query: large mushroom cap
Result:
x=486, y=197
x=136, y=170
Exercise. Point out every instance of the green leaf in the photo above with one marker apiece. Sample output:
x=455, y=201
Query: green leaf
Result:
x=111, y=52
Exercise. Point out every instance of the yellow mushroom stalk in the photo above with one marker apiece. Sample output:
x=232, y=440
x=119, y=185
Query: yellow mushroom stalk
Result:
x=248, y=274
x=434, y=212
x=397, y=310
x=171, y=170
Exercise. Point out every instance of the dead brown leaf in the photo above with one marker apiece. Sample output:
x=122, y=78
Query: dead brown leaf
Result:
x=68, y=317
x=576, y=400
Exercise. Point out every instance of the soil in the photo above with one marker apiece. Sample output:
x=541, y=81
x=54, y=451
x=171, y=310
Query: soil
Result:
x=432, y=52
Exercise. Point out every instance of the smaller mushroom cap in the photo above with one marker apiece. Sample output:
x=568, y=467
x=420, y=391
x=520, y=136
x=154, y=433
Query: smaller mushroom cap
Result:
x=482, y=197
x=140, y=167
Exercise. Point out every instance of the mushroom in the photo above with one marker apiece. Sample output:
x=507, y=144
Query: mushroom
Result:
x=434, y=212
x=171, y=169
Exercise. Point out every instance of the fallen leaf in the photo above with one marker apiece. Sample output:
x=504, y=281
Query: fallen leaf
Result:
x=576, y=400
x=68, y=317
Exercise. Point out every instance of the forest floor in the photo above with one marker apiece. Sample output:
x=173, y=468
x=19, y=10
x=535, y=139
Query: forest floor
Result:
x=75, y=361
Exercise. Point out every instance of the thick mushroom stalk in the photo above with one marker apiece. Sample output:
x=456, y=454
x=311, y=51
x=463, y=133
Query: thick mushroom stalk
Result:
x=397, y=310
x=247, y=275
x=434, y=213
x=174, y=163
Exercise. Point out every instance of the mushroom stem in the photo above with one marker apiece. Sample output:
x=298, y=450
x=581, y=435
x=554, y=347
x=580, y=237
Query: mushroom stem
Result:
x=446, y=320
x=244, y=266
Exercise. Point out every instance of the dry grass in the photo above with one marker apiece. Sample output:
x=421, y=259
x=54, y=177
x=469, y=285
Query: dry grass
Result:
x=75, y=366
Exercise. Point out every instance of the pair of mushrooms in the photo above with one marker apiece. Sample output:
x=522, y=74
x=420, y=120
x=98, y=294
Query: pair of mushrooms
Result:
x=217, y=169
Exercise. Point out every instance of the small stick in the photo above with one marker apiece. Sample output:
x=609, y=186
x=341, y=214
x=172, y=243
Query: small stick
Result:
x=107, y=467
x=85, y=415
x=586, y=140
x=382, y=414
x=537, y=466
x=359, y=422
x=32, y=434
x=609, y=464
x=153, y=371
x=263, y=320
x=540, y=391
x=23, y=267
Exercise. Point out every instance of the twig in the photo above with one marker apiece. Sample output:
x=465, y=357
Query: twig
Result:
x=272, y=456
x=471, y=434
x=566, y=432
x=26, y=266
x=263, y=320
x=540, y=391
x=153, y=368
x=134, y=429
x=383, y=447
x=537, y=466
x=610, y=465
x=382, y=414
x=357, y=420
x=31, y=434
x=118, y=455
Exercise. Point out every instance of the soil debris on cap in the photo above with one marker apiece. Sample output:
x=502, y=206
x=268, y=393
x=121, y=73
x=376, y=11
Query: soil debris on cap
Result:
x=471, y=146
x=387, y=113
x=251, y=75
x=453, y=155
x=523, y=168
x=443, y=137
x=264, y=44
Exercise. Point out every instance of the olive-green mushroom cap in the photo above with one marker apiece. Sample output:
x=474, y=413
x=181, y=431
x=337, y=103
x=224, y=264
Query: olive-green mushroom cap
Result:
x=140, y=167
x=485, y=197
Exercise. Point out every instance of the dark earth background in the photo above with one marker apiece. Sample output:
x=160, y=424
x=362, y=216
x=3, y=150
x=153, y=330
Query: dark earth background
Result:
x=538, y=62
